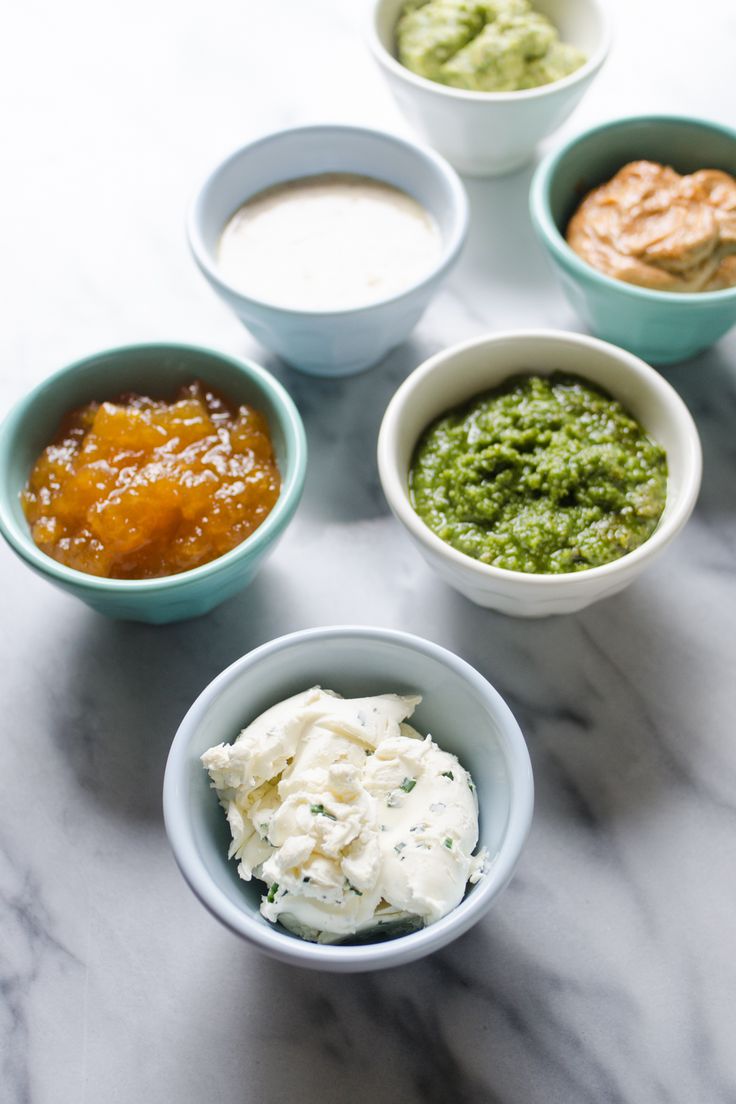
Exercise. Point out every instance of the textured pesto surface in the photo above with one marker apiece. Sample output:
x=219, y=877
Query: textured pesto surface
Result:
x=483, y=45
x=544, y=475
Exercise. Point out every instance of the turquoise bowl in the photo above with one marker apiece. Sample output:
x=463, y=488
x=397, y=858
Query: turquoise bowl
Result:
x=330, y=342
x=159, y=370
x=660, y=327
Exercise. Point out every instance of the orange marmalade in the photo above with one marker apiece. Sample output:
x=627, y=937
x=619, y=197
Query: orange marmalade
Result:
x=138, y=488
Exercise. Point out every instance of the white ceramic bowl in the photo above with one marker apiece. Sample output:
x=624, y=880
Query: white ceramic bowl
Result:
x=490, y=133
x=459, y=707
x=341, y=342
x=456, y=375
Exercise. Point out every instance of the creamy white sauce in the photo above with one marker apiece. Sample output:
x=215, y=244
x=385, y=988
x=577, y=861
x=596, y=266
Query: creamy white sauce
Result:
x=349, y=816
x=328, y=242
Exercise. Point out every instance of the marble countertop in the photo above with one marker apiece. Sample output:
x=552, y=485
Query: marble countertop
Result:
x=607, y=971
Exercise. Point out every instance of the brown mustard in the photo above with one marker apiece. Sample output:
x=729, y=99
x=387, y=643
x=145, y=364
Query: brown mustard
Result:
x=652, y=227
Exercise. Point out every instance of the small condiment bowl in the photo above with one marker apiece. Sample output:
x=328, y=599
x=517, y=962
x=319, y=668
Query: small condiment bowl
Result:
x=458, y=374
x=492, y=133
x=157, y=370
x=662, y=327
x=322, y=342
x=461, y=710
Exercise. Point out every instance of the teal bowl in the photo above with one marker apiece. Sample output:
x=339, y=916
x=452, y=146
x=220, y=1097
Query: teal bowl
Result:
x=660, y=327
x=157, y=370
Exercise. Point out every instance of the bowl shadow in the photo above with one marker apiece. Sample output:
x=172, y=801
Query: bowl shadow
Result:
x=491, y=1019
x=318, y=1032
x=507, y=248
x=707, y=385
x=342, y=417
x=599, y=696
x=128, y=685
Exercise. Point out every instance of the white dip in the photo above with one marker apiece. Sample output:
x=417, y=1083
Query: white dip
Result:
x=328, y=242
x=349, y=816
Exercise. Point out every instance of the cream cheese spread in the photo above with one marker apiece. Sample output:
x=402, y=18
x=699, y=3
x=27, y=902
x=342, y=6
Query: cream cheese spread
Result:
x=353, y=820
x=328, y=242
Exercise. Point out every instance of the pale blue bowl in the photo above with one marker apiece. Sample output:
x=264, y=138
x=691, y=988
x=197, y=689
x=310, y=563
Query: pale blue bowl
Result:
x=461, y=710
x=342, y=342
x=660, y=327
x=150, y=369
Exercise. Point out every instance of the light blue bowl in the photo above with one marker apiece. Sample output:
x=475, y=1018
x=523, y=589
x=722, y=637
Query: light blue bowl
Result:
x=329, y=343
x=660, y=327
x=150, y=369
x=461, y=710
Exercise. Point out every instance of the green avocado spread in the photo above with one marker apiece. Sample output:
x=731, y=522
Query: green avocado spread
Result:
x=483, y=45
x=543, y=475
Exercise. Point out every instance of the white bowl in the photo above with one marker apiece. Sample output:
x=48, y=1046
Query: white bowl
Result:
x=459, y=707
x=491, y=133
x=341, y=342
x=456, y=375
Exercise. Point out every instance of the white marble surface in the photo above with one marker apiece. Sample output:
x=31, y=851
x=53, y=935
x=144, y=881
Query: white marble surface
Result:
x=607, y=971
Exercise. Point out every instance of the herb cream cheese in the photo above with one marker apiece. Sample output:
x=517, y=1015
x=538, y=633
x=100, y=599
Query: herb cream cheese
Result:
x=356, y=823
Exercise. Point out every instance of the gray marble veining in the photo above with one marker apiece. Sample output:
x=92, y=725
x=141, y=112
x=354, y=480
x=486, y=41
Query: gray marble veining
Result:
x=607, y=971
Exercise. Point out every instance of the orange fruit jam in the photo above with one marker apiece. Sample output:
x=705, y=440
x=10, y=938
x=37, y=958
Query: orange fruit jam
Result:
x=138, y=488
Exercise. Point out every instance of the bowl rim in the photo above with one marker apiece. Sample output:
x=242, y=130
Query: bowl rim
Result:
x=394, y=952
x=457, y=202
x=386, y=59
x=396, y=491
x=548, y=231
x=291, y=487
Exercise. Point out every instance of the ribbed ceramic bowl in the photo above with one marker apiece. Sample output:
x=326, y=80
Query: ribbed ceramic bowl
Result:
x=455, y=376
x=662, y=327
x=491, y=133
x=152, y=370
x=459, y=708
x=341, y=342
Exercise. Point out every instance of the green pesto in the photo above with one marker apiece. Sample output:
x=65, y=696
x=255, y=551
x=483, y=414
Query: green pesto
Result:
x=483, y=45
x=543, y=474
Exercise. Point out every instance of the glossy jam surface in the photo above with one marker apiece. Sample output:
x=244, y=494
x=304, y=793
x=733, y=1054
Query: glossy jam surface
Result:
x=139, y=488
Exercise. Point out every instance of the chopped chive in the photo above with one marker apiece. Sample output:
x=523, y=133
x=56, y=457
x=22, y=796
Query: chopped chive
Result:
x=399, y=848
x=319, y=810
x=306, y=878
x=272, y=893
x=448, y=774
x=448, y=843
x=408, y=785
x=352, y=889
